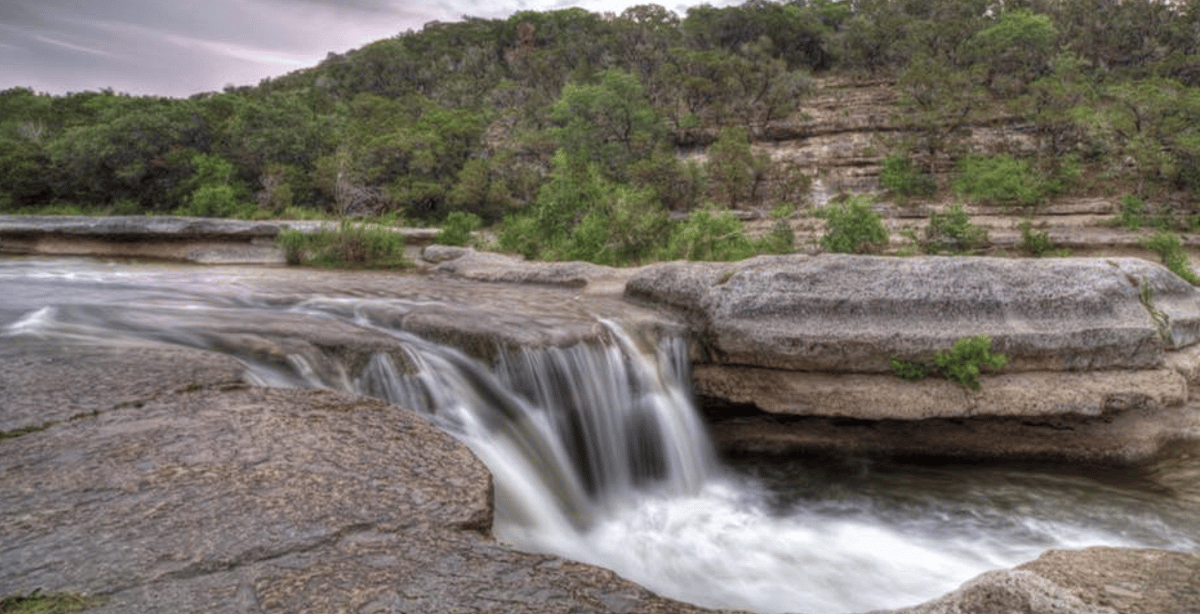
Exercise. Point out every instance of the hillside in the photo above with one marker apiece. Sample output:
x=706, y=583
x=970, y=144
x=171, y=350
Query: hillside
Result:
x=577, y=135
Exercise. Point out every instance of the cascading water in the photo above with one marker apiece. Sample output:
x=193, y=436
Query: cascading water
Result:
x=598, y=454
x=568, y=433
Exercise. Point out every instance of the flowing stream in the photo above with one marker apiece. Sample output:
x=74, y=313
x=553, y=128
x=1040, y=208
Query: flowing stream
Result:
x=597, y=451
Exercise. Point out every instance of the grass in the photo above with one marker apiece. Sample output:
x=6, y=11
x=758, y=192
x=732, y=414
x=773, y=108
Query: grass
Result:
x=56, y=603
x=350, y=245
x=1169, y=248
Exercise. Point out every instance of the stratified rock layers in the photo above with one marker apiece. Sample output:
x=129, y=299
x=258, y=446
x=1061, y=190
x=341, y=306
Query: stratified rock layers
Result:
x=1086, y=339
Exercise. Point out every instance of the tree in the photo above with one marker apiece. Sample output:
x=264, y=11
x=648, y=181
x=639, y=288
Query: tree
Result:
x=610, y=124
x=1015, y=50
x=939, y=100
x=736, y=171
x=1156, y=123
x=125, y=153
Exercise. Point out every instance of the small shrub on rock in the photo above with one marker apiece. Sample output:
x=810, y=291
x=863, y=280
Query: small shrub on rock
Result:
x=1169, y=248
x=905, y=179
x=708, y=234
x=852, y=227
x=964, y=363
x=953, y=232
x=457, y=228
x=909, y=370
x=966, y=359
x=1000, y=179
x=1036, y=243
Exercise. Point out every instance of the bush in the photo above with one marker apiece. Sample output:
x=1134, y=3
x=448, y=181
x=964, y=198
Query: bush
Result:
x=457, y=228
x=1036, y=243
x=1133, y=209
x=351, y=245
x=1000, y=179
x=708, y=235
x=966, y=359
x=909, y=370
x=852, y=227
x=953, y=232
x=1169, y=248
x=905, y=179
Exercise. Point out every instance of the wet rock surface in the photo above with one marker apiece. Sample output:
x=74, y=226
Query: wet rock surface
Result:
x=227, y=498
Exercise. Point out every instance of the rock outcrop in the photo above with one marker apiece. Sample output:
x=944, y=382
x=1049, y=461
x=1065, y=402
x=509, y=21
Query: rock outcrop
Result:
x=189, y=239
x=1091, y=581
x=1087, y=340
x=202, y=494
x=851, y=314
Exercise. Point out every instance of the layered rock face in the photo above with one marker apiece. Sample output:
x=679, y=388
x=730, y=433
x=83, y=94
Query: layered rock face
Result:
x=1088, y=341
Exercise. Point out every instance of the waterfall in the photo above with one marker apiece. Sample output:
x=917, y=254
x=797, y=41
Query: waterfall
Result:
x=568, y=433
x=598, y=454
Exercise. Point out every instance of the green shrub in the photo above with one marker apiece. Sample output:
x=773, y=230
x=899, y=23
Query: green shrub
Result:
x=54, y=603
x=852, y=227
x=1169, y=248
x=905, y=179
x=1133, y=209
x=521, y=234
x=212, y=200
x=1000, y=179
x=351, y=245
x=780, y=239
x=1036, y=243
x=624, y=230
x=966, y=359
x=709, y=235
x=953, y=232
x=457, y=228
x=909, y=370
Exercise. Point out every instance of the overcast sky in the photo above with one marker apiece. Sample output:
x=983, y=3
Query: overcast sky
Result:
x=181, y=47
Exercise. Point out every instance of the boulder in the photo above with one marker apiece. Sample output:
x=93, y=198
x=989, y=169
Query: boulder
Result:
x=852, y=314
x=1091, y=581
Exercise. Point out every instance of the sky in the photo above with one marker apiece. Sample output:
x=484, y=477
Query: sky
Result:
x=181, y=47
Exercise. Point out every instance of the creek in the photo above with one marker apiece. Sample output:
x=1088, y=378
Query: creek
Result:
x=597, y=451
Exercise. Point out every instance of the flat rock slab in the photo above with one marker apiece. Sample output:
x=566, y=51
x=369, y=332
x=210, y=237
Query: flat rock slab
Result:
x=40, y=384
x=227, y=498
x=1124, y=438
x=465, y=263
x=839, y=313
x=886, y=397
x=189, y=239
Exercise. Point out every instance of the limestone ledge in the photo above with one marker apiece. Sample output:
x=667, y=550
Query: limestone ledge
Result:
x=188, y=239
x=886, y=397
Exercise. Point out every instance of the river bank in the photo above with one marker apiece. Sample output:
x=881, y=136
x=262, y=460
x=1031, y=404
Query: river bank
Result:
x=160, y=477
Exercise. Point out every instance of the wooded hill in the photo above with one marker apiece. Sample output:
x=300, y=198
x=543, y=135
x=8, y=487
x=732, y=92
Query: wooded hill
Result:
x=579, y=132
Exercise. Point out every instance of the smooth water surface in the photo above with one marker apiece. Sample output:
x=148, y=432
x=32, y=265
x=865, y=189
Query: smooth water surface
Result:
x=597, y=452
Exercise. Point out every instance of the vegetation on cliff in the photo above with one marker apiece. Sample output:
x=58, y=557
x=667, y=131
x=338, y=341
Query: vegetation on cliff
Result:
x=577, y=135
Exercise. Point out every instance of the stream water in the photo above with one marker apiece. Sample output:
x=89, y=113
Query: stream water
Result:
x=597, y=452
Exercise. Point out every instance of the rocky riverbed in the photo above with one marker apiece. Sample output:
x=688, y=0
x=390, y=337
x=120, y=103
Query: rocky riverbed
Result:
x=162, y=479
